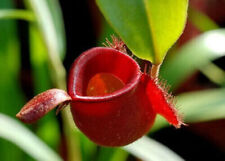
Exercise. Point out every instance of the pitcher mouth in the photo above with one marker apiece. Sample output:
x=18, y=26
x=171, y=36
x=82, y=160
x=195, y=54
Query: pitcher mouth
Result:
x=102, y=60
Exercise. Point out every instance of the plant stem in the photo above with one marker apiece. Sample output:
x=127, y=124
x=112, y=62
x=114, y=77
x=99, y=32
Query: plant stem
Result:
x=71, y=135
x=44, y=20
x=155, y=71
x=59, y=79
x=69, y=128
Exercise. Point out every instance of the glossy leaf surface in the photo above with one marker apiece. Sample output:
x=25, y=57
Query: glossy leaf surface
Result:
x=148, y=27
x=25, y=139
x=150, y=150
x=193, y=56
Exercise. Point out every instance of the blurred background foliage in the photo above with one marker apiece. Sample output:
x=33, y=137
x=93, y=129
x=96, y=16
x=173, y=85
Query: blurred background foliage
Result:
x=38, y=38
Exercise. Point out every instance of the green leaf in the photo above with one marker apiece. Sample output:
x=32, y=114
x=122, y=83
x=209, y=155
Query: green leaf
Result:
x=105, y=153
x=214, y=73
x=193, y=56
x=48, y=16
x=9, y=79
x=16, y=14
x=150, y=150
x=39, y=60
x=203, y=106
x=148, y=27
x=48, y=127
x=106, y=32
x=201, y=21
x=53, y=35
x=119, y=155
x=55, y=10
x=25, y=139
x=112, y=154
x=48, y=130
x=88, y=148
x=198, y=106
